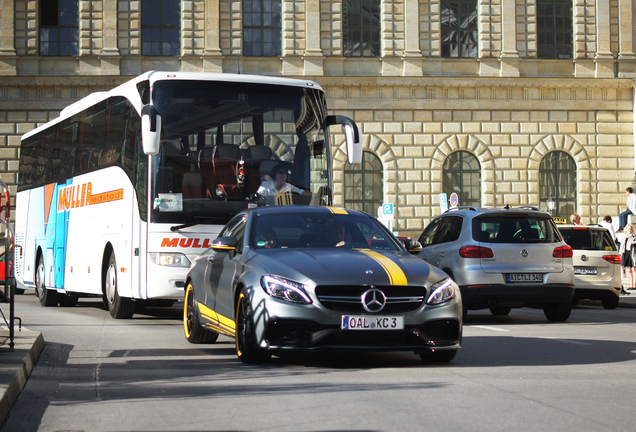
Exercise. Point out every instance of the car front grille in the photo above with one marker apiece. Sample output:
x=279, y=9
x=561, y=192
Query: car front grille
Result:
x=348, y=299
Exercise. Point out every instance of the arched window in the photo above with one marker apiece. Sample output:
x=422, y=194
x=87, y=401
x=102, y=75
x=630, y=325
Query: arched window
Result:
x=557, y=184
x=462, y=175
x=363, y=184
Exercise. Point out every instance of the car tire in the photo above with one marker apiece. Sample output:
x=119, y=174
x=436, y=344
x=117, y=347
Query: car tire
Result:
x=246, y=348
x=610, y=302
x=443, y=356
x=194, y=333
x=68, y=300
x=47, y=296
x=119, y=307
x=500, y=310
x=558, y=311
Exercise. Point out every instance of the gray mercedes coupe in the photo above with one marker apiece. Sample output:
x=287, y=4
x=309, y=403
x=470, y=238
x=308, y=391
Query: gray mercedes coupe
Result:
x=306, y=278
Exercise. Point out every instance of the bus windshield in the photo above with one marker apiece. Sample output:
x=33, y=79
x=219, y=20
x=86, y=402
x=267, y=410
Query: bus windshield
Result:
x=226, y=146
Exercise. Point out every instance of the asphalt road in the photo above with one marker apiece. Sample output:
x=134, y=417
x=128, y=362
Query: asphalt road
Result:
x=513, y=373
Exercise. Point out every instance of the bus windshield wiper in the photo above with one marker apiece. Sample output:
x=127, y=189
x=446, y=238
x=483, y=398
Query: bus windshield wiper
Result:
x=188, y=225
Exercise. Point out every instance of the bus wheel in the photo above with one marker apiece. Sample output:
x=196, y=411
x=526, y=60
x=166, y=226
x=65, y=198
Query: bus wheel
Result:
x=119, y=307
x=194, y=333
x=47, y=297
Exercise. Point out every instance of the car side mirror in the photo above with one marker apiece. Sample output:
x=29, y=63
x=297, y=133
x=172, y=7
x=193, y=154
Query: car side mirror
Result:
x=224, y=244
x=413, y=246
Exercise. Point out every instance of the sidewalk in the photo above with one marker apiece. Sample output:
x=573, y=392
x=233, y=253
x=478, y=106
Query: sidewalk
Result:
x=16, y=365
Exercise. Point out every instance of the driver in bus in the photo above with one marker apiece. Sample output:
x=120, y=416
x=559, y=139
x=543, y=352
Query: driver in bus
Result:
x=278, y=191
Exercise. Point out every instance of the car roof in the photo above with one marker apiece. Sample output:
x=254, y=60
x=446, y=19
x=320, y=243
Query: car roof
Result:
x=274, y=210
x=471, y=210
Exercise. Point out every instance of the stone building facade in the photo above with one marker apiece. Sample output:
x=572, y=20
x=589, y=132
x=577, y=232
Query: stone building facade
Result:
x=506, y=106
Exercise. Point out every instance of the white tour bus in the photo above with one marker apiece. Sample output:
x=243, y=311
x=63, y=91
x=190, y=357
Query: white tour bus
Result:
x=118, y=194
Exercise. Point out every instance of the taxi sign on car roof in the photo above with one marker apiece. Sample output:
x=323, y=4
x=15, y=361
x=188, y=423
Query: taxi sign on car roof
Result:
x=559, y=220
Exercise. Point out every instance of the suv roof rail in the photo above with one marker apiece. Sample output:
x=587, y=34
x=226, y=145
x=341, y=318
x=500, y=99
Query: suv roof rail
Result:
x=527, y=207
x=472, y=208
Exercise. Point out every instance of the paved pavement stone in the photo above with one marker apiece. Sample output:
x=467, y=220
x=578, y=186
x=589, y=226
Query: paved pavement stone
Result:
x=16, y=365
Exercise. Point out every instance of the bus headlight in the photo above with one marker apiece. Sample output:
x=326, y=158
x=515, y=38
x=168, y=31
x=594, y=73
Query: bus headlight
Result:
x=169, y=259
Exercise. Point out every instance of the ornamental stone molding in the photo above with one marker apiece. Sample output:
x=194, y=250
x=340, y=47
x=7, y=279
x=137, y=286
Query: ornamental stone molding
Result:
x=382, y=150
x=472, y=144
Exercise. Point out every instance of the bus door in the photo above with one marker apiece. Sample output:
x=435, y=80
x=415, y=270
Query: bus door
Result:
x=59, y=243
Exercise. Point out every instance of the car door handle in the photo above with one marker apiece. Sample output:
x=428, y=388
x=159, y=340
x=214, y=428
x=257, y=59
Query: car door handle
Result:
x=211, y=259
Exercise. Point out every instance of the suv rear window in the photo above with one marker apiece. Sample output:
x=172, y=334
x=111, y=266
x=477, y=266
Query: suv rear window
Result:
x=514, y=228
x=588, y=239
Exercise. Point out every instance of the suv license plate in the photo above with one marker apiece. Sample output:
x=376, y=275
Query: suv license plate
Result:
x=524, y=278
x=584, y=270
x=366, y=322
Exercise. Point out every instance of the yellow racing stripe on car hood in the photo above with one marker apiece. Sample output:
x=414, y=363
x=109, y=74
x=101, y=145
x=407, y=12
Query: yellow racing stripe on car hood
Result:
x=395, y=273
x=224, y=324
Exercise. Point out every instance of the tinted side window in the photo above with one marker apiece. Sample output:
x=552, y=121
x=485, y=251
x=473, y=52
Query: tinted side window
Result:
x=450, y=230
x=607, y=242
x=426, y=239
x=236, y=228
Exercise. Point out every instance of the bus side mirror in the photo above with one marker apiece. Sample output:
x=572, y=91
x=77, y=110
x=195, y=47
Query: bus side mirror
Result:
x=352, y=137
x=150, y=129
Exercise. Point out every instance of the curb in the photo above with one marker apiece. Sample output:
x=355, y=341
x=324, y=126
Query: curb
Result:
x=16, y=366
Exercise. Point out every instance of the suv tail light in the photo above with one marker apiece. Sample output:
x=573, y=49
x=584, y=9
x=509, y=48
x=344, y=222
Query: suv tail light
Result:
x=563, y=252
x=612, y=259
x=475, y=252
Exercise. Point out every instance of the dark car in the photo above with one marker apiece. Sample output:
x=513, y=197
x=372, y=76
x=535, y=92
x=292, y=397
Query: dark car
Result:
x=308, y=278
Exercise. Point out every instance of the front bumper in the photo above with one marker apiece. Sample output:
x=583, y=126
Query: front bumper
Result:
x=307, y=335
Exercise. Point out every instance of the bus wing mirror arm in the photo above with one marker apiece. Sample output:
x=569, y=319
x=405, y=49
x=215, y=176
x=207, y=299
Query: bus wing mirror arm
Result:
x=150, y=129
x=352, y=137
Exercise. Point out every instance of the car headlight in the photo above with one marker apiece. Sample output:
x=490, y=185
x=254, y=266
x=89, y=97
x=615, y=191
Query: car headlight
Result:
x=169, y=259
x=285, y=289
x=442, y=291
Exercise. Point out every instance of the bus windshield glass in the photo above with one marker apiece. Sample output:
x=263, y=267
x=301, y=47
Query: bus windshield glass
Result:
x=226, y=146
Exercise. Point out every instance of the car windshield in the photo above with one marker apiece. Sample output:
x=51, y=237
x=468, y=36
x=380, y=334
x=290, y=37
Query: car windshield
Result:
x=588, y=239
x=311, y=230
x=515, y=228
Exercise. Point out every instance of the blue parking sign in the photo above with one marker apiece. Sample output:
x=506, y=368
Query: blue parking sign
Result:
x=387, y=209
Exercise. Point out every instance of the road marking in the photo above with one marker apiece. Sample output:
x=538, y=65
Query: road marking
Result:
x=490, y=328
x=567, y=341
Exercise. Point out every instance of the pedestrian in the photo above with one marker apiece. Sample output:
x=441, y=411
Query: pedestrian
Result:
x=631, y=209
x=575, y=219
x=628, y=260
x=607, y=224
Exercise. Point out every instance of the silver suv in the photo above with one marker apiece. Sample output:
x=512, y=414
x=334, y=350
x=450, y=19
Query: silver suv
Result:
x=503, y=258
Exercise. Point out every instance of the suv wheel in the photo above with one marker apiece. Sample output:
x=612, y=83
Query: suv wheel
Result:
x=558, y=311
x=500, y=310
